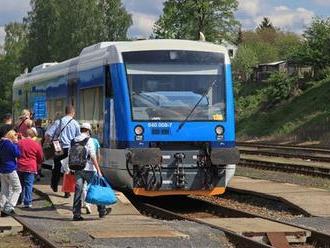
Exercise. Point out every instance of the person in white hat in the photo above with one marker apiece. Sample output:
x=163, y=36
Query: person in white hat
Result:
x=86, y=174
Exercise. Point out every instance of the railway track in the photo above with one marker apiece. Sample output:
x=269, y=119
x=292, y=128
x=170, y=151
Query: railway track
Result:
x=284, y=154
x=287, y=147
x=197, y=210
x=286, y=167
x=308, y=161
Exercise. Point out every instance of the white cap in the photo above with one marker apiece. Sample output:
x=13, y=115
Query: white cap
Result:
x=86, y=125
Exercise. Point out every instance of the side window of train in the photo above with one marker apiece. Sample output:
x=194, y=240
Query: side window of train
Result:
x=108, y=82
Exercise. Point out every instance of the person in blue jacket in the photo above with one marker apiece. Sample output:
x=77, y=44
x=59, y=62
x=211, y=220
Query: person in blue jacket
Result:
x=10, y=184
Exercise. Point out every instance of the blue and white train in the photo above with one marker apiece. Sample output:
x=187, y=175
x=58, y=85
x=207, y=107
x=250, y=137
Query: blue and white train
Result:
x=162, y=109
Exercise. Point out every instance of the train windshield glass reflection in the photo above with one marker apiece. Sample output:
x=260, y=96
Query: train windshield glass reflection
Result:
x=165, y=85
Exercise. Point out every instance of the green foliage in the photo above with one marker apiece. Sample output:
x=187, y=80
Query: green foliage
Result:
x=59, y=29
x=244, y=61
x=185, y=19
x=315, y=49
x=303, y=117
x=281, y=87
x=266, y=44
x=10, y=63
x=265, y=24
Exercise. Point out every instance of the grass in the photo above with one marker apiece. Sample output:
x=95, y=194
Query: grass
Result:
x=305, y=117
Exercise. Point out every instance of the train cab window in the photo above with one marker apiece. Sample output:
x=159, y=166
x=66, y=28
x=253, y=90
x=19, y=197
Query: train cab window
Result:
x=108, y=83
x=91, y=104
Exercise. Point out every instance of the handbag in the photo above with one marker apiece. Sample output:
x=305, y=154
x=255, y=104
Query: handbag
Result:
x=99, y=192
x=69, y=183
x=54, y=148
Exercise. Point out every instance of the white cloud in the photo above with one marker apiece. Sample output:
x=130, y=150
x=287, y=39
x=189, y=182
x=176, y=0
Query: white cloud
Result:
x=291, y=19
x=14, y=5
x=251, y=8
x=252, y=12
x=142, y=25
x=2, y=35
x=322, y=2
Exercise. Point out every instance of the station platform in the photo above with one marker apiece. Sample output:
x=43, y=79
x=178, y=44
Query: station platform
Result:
x=125, y=221
x=311, y=201
x=9, y=226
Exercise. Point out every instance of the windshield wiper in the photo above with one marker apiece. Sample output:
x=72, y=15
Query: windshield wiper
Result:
x=193, y=109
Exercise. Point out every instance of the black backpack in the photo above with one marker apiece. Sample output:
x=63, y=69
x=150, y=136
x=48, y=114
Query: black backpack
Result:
x=78, y=155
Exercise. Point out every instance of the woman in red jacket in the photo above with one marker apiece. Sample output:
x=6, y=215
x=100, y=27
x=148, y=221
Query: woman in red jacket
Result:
x=28, y=164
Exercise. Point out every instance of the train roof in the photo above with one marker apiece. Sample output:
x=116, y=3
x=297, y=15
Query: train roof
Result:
x=109, y=53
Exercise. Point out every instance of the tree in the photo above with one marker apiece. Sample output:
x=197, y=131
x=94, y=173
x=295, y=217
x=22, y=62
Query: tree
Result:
x=244, y=61
x=10, y=62
x=315, y=50
x=116, y=20
x=41, y=22
x=265, y=24
x=186, y=19
x=59, y=29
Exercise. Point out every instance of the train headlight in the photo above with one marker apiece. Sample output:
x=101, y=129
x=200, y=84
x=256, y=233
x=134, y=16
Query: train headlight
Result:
x=138, y=130
x=219, y=130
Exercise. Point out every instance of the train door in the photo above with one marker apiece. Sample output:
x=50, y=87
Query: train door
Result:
x=109, y=123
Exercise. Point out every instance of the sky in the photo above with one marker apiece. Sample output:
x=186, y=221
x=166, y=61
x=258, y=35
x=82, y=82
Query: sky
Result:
x=289, y=15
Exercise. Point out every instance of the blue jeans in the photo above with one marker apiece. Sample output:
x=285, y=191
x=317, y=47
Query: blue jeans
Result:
x=81, y=177
x=27, y=180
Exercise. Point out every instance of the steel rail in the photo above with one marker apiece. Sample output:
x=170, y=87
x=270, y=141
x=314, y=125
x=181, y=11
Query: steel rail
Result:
x=292, y=168
x=279, y=146
x=285, y=155
x=240, y=240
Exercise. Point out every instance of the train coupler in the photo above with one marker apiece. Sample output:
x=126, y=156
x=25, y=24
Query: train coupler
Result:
x=180, y=174
x=147, y=172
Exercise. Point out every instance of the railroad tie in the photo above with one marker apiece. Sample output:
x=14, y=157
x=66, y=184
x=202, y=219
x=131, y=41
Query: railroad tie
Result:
x=278, y=239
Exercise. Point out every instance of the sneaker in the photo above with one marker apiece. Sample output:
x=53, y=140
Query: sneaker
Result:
x=103, y=214
x=77, y=218
x=10, y=213
x=67, y=195
x=27, y=206
x=88, y=209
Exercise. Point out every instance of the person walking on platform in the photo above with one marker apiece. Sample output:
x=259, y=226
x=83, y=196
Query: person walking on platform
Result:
x=65, y=129
x=97, y=148
x=28, y=164
x=24, y=123
x=86, y=174
x=10, y=184
x=7, y=124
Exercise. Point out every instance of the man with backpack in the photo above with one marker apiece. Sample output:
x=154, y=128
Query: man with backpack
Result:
x=64, y=130
x=83, y=161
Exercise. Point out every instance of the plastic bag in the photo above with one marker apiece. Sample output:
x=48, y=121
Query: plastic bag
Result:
x=69, y=183
x=65, y=165
x=99, y=192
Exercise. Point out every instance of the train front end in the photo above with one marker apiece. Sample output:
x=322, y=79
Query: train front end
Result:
x=176, y=121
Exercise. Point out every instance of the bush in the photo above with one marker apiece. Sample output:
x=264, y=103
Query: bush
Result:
x=281, y=87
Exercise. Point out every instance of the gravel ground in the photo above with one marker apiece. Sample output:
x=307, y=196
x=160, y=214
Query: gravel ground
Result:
x=21, y=240
x=254, y=204
x=284, y=177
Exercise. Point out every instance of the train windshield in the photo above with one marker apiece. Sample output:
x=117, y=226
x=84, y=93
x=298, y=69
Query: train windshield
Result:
x=166, y=85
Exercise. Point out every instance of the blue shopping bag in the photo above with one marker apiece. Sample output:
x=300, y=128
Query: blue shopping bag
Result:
x=99, y=192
